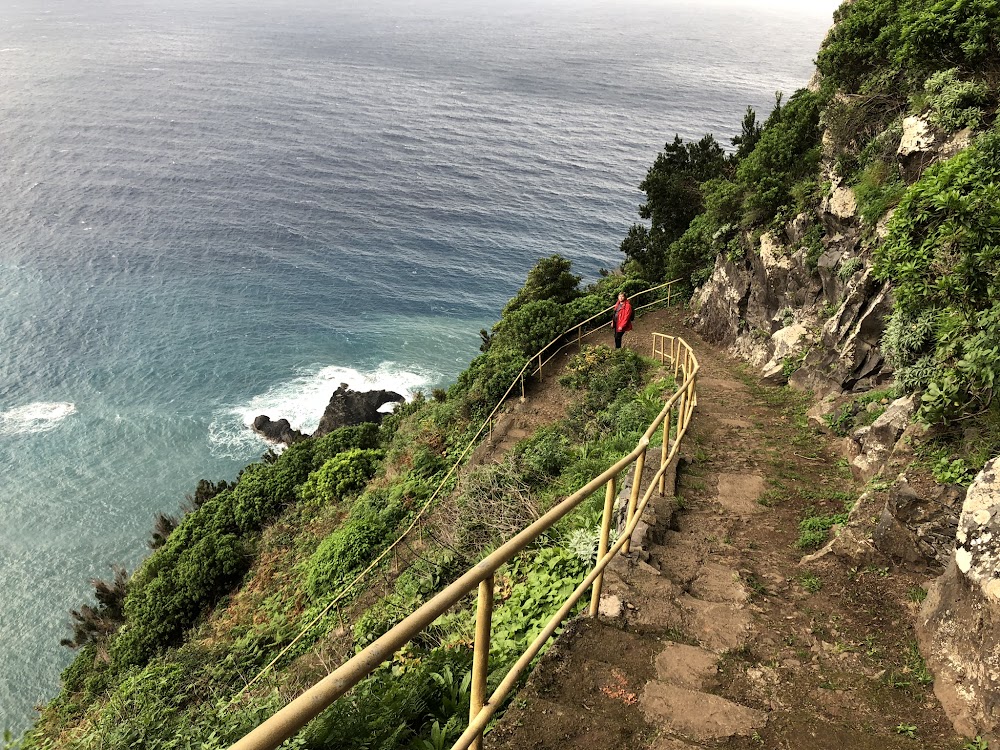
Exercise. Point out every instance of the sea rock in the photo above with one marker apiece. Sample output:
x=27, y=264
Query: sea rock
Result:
x=959, y=624
x=349, y=407
x=279, y=431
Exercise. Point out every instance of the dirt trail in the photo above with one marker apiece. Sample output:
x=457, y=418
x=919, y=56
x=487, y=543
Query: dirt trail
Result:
x=716, y=636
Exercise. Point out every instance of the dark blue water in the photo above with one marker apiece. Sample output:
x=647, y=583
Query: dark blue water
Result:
x=211, y=211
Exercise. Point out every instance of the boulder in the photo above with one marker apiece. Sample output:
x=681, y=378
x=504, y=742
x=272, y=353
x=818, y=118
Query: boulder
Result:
x=279, y=431
x=918, y=522
x=853, y=541
x=959, y=623
x=347, y=408
x=958, y=142
x=877, y=442
x=787, y=342
x=843, y=204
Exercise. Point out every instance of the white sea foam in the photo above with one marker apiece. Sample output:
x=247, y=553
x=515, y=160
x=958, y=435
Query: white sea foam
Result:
x=301, y=401
x=40, y=416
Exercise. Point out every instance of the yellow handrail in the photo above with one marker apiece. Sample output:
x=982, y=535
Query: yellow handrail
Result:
x=290, y=719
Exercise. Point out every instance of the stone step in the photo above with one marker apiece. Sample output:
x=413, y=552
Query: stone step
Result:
x=696, y=715
x=686, y=666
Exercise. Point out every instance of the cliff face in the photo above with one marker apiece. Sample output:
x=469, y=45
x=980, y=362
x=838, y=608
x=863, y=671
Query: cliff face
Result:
x=873, y=296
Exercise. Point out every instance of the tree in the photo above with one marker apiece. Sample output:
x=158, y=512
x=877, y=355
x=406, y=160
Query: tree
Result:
x=749, y=135
x=550, y=279
x=673, y=198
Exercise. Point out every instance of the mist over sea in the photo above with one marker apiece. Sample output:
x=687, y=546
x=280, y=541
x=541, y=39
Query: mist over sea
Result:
x=213, y=210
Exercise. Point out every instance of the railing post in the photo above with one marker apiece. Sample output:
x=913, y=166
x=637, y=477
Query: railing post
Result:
x=490, y=422
x=481, y=654
x=522, y=386
x=539, y=365
x=602, y=547
x=633, y=500
x=664, y=450
x=670, y=289
x=579, y=337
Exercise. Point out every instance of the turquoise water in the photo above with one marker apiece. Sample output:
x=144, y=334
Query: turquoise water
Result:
x=210, y=212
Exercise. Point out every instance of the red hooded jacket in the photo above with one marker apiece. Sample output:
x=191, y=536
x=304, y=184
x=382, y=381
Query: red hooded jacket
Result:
x=623, y=317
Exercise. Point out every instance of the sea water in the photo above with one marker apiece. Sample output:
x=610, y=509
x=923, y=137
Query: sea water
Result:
x=214, y=210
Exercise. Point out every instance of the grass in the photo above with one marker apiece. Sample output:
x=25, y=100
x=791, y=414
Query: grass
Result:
x=814, y=528
x=811, y=583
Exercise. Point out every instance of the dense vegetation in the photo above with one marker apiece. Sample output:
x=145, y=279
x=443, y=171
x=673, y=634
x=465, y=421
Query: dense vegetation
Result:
x=163, y=653
x=884, y=60
x=249, y=564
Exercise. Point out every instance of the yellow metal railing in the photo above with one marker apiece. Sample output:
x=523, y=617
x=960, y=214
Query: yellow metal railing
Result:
x=676, y=411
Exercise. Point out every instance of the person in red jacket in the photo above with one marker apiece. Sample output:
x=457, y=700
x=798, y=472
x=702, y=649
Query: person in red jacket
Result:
x=621, y=320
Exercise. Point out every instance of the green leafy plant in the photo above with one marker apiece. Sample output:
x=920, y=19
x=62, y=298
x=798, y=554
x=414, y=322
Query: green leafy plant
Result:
x=848, y=268
x=811, y=583
x=955, y=103
x=341, y=476
x=943, y=259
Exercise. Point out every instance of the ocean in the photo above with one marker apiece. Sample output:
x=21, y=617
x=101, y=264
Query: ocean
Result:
x=210, y=211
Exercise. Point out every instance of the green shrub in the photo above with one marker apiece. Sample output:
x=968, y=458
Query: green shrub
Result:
x=814, y=529
x=604, y=370
x=848, y=268
x=355, y=543
x=363, y=436
x=878, y=188
x=861, y=45
x=159, y=611
x=343, y=475
x=943, y=259
x=531, y=326
x=891, y=46
x=549, y=280
x=547, y=452
x=955, y=104
x=787, y=153
x=483, y=383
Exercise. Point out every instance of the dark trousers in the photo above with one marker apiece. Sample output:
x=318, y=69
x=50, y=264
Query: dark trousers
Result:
x=618, y=339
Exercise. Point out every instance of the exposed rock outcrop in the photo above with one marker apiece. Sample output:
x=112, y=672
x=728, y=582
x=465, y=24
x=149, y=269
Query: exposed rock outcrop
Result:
x=349, y=407
x=918, y=522
x=876, y=442
x=959, y=624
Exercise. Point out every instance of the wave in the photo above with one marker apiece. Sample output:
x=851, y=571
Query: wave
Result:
x=40, y=416
x=302, y=401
